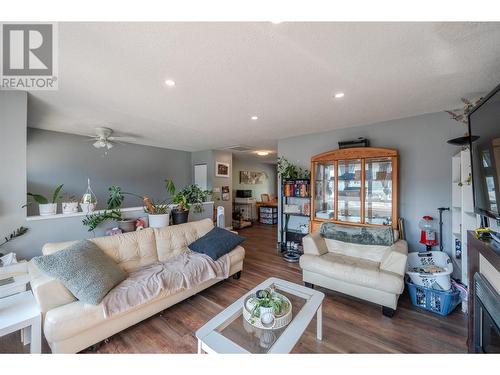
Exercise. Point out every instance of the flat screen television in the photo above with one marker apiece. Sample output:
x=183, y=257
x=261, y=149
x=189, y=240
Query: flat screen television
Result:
x=484, y=121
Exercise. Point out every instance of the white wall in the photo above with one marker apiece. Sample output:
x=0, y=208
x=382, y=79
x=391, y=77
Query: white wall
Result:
x=424, y=162
x=270, y=184
x=13, y=115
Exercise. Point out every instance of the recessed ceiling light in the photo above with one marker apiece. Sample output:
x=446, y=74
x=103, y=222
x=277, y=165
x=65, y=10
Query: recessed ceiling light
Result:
x=339, y=95
x=254, y=118
x=276, y=22
x=262, y=153
x=170, y=83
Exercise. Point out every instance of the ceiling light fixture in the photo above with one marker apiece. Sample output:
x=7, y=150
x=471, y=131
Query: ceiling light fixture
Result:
x=339, y=95
x=254, y=118
x=262, y=153
x=170, y=83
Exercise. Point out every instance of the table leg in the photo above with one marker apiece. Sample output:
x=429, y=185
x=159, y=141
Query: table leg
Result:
x=319, y=323
x=199, y=346
x=36, y=336
x=26, y=335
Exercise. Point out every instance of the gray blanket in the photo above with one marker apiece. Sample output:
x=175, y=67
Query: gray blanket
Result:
x=183, y=271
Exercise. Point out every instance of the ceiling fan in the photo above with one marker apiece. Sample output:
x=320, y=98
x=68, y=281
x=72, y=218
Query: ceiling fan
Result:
x=103, y=138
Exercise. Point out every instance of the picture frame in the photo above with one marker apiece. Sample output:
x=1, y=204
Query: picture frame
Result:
x=221, y=169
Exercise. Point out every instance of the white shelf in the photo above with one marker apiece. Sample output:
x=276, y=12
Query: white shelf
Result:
x=463, y=216
x=81, y=214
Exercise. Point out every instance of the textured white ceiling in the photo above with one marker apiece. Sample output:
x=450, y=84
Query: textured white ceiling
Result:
x=112, y=74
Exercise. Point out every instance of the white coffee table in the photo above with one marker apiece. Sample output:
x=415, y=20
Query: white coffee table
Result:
x=20, y=312
x=228, y=332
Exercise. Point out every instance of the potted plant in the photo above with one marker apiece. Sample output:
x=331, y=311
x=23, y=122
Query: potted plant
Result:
x=113, y=212
x=289, y=171
x=191, y=195
x=69, y=204
x=158, y=215
x=45, y=206
x=11, y=236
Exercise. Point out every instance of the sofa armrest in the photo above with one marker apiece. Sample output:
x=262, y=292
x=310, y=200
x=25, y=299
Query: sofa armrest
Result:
x=394, y=259
x=48, y=291
x=314, y=244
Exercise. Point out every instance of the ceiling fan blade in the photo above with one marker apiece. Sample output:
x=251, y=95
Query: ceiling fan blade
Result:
x=123, y=139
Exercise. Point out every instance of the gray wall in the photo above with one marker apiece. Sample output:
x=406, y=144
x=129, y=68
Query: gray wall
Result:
x=424, y=162
x=269, y=186
x=13, y=105
x=59, y=158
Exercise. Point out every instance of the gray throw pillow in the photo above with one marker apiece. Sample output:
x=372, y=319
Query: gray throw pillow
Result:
x=383, y=236
x=84, y=269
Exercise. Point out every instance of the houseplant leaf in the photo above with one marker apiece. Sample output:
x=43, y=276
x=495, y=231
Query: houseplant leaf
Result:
x=56, y=193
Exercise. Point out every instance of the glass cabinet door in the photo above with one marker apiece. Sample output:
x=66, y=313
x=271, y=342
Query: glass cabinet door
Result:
x=378, y=191
x=349, y=190
x=324, y=190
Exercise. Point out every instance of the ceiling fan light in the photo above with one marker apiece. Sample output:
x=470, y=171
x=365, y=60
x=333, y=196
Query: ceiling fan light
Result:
x=109, y=145
x=97, y=144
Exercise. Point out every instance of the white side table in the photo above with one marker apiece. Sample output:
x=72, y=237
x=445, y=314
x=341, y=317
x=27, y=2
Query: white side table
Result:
x=20, y=312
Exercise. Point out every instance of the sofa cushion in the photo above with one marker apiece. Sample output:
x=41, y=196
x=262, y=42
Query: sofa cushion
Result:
x=84, y=269
x=383, y=236
x=216, y=243
x=374, y=253
x=172, y=240
x=130, y=250
x=352, y=270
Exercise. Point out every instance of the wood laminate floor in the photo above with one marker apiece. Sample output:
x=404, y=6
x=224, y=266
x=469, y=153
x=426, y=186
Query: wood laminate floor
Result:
x=349, y=325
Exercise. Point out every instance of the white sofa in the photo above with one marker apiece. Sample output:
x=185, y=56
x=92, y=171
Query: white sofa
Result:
x=372, y=273
x=71, y=326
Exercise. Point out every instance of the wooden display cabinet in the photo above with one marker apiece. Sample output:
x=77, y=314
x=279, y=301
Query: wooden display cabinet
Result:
x=355, y=186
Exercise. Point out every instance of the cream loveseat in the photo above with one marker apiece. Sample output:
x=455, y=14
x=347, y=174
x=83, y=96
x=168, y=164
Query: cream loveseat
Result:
x=71, y=326
x=372, y=273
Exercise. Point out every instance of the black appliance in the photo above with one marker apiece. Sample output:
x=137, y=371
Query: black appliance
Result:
x=484, y=122
x=243, y=193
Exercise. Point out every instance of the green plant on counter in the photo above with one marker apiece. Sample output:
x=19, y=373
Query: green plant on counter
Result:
x=288, y=170
x=190, y=196
x=93, y=220
x=40, y=199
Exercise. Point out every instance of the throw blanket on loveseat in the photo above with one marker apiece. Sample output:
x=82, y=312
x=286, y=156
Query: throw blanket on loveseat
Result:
x=184, y=271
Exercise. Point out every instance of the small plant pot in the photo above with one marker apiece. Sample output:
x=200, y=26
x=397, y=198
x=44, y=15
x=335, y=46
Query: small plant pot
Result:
x=69, y=207
x=87, y=208
x=47, y=209
x=127, y=225
x=158, y=221
x=179, y=217
x=265, y=310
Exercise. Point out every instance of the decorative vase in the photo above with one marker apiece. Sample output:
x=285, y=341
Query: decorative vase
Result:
x=69, y=207
x=127, y=225
x=87, y=208
x=47, y=209
x=158, y=221
x=88, y=202
x=179, y=217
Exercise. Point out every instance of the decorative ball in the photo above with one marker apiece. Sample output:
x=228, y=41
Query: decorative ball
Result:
x=267, y=318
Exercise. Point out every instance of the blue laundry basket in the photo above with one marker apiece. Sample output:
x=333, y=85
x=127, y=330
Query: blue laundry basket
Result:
x=436, y=301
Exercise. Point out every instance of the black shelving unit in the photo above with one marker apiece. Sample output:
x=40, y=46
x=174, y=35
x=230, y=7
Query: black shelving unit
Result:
x=291, y=235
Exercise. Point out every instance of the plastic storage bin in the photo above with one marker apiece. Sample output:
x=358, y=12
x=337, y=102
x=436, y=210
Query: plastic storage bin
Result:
x=436, y=301
x=437, y=280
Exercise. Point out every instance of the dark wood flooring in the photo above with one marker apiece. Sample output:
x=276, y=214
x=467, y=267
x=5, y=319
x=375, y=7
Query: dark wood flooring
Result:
x=349, y=325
